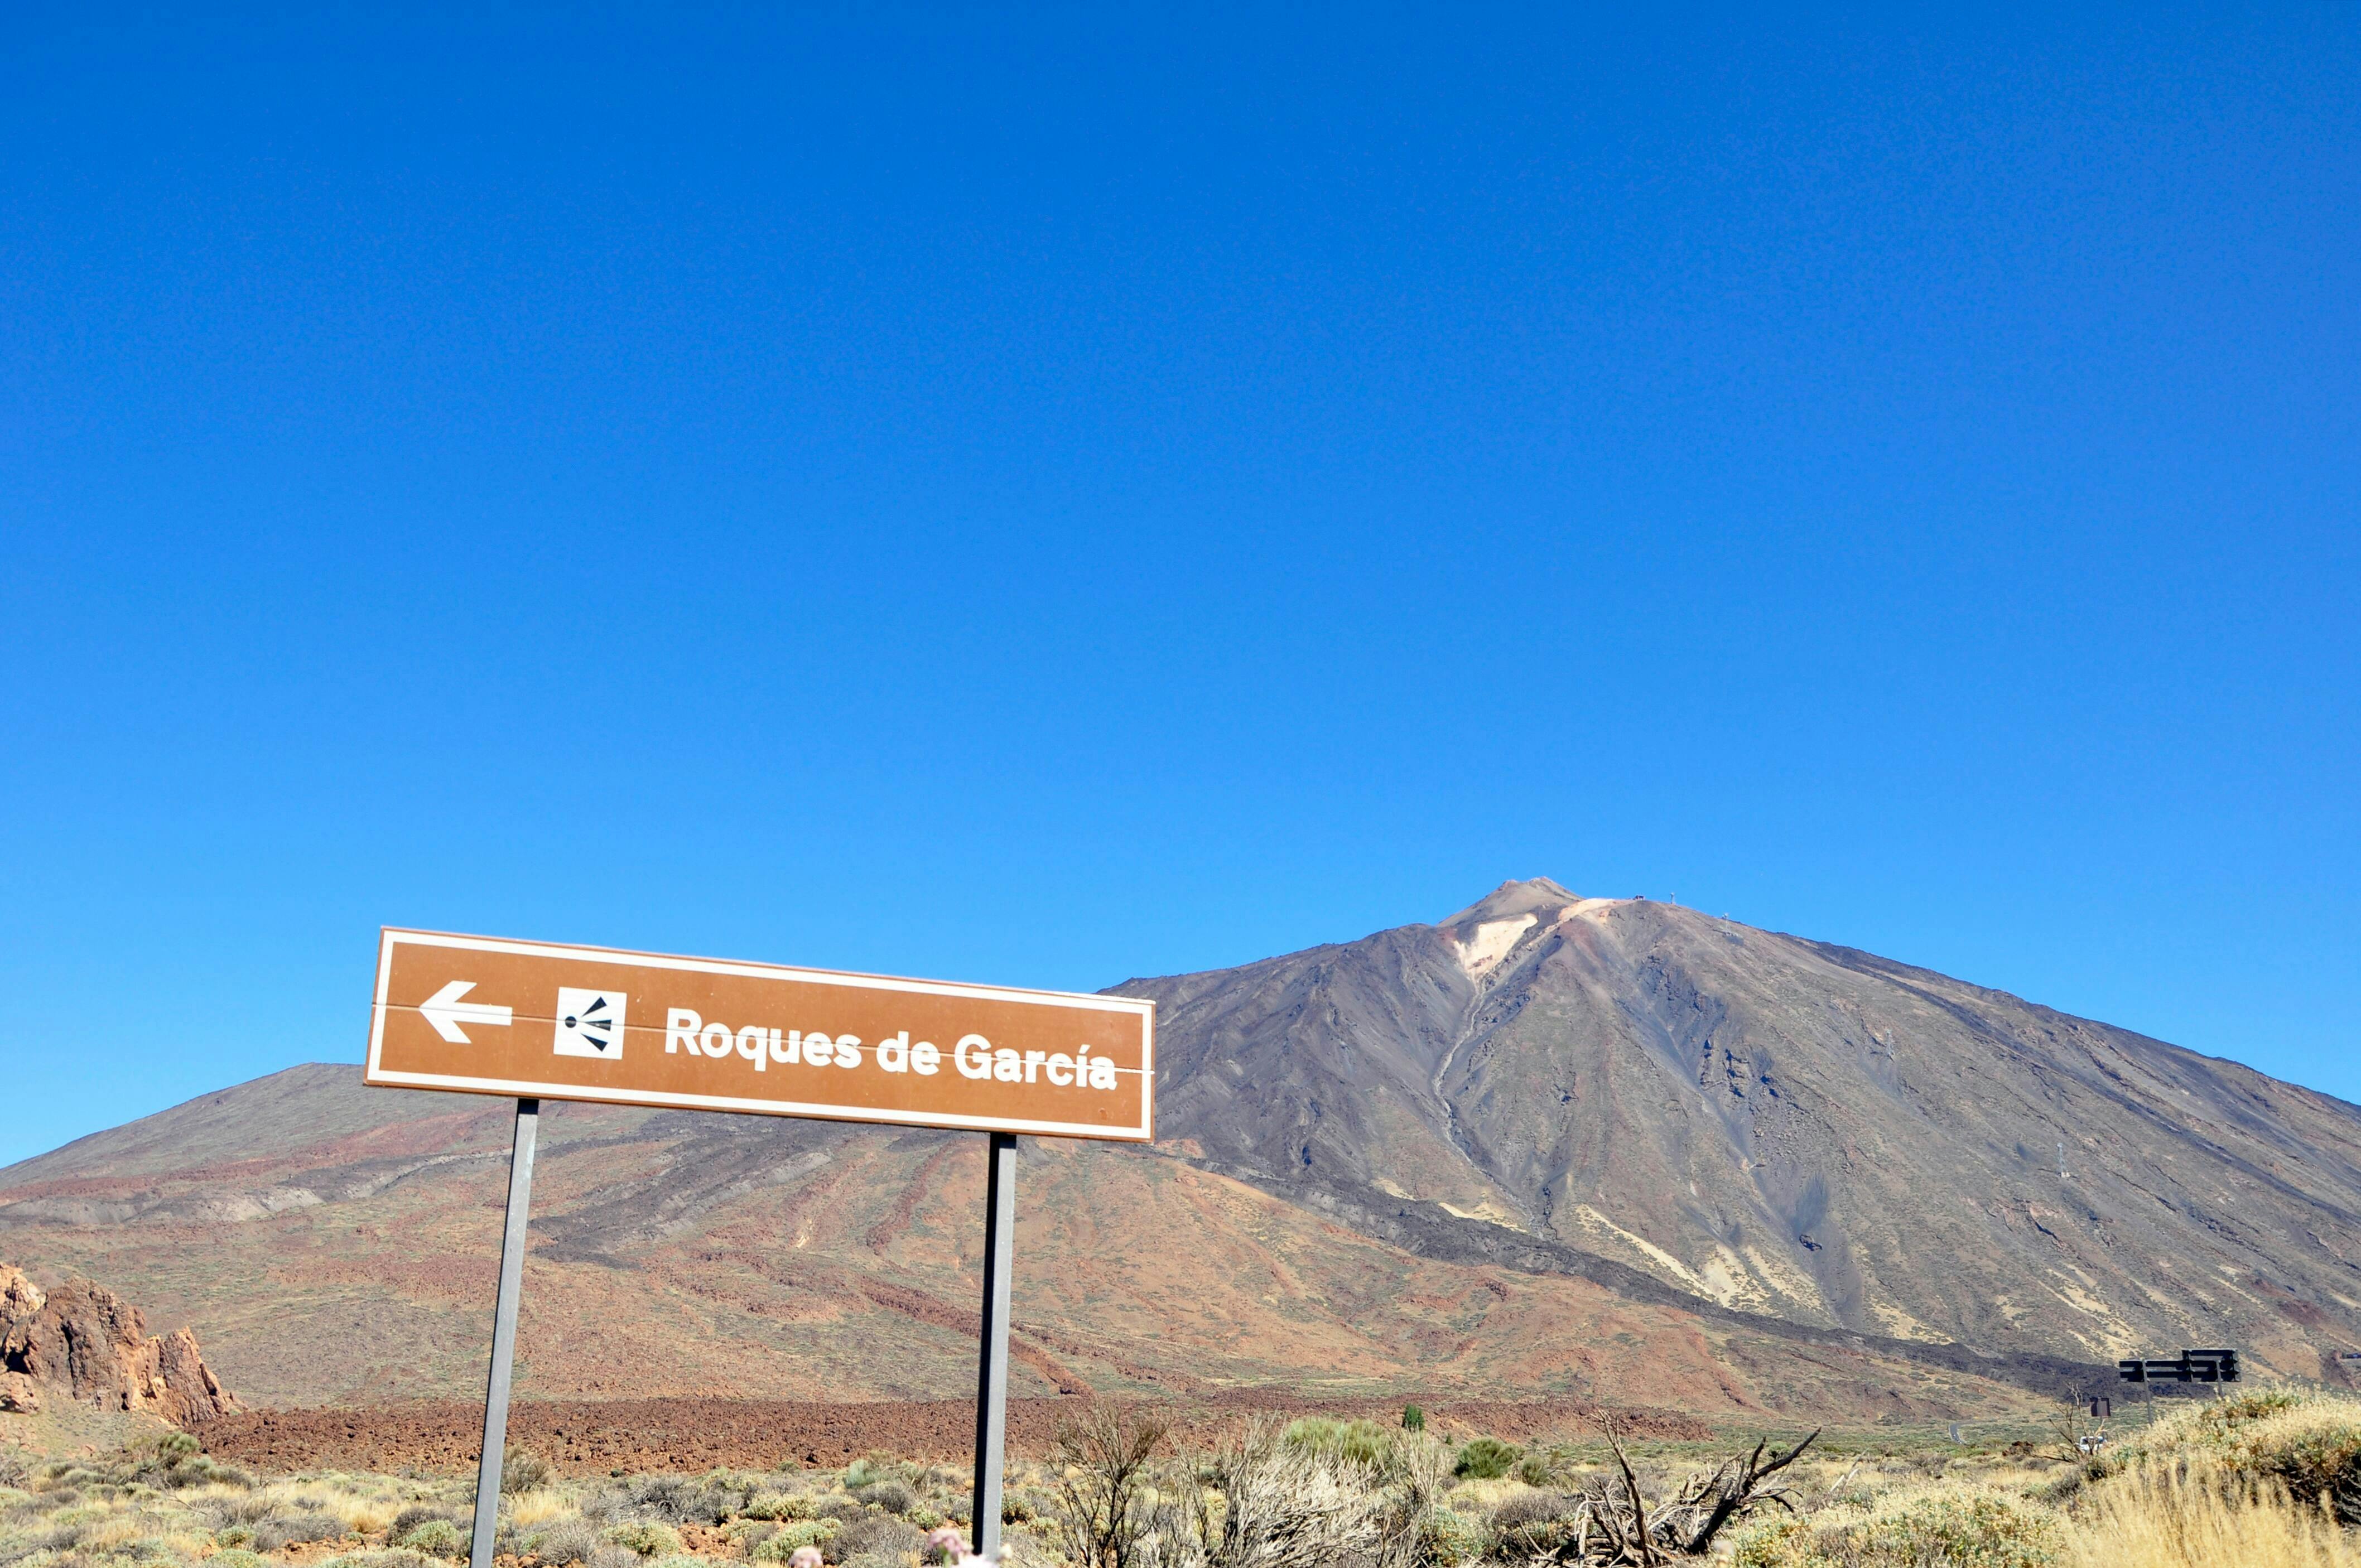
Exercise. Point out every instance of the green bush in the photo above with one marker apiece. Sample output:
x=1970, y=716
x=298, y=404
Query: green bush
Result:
x=236, y=1537
x=1413, y=1419
x=859, y=1472
x=779, y=1506
x=1486, y=1459
x=436, y=1538
x=646, y=1536
x=1782, y=1543
x=803, y=1532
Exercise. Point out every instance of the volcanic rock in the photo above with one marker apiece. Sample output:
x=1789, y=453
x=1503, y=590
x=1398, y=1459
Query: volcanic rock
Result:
x=85, y=1342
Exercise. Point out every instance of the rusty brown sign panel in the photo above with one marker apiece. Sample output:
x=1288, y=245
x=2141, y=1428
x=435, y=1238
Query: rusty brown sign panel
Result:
x=541, y=1020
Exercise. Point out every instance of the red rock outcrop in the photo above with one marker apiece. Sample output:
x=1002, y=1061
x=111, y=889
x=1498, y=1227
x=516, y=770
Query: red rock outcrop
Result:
x=84, y=1343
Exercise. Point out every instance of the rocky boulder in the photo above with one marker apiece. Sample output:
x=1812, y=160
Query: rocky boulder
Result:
x=83, y=1342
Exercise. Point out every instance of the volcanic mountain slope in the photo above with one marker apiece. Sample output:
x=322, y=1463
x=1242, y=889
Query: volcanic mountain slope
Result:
x=338, y=1245
x=1783, y=1126
x=1552, y=1146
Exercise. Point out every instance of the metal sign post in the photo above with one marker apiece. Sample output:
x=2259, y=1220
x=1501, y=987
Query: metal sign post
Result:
x=547, y=1020
x=992, y=1363
x=504, y=1321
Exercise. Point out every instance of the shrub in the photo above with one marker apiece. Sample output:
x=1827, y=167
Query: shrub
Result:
x=680, y=1500
x=609, y=1556
x=522, y=1470
x=1782, y=1543
x=1448, y=1536
x=236, y=1537
x=646, y=1537
x=778, y=1505
x=1486, y=1459
x=1103, y=1500
x=803, y=1532
x=1536, y=1470
x=1413, y=1419
x=417, y=1514
x=436, y=1538
x=235, y=1557
x=891, y=1496
x=1930, y=1530
x=569, y=1541
x=859, y=1472
x=879, y=1535
x=1533, y=1525
x=279, y=1529
x=1283, y=1505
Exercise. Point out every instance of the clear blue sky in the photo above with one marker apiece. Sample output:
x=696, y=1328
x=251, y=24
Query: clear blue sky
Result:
x=1058, y=498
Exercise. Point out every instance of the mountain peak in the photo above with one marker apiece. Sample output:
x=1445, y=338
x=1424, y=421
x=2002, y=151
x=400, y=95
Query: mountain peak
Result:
x=1539, y=896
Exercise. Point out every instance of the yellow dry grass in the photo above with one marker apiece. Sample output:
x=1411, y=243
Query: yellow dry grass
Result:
x=545, y=1505
x=2157, y=1518
x=359, y=1504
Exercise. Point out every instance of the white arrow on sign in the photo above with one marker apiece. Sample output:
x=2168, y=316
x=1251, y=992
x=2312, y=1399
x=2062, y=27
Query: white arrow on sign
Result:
x=446, y=1012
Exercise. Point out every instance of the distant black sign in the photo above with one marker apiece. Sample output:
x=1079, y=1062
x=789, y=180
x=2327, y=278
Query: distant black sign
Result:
x=2189, y=1366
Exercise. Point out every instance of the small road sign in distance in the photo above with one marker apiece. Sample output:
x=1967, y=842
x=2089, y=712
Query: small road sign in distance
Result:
x=2189, y=1366
x=541, y=1020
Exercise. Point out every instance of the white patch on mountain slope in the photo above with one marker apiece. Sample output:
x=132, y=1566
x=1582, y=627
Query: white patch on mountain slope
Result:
x=1596, y=1222
x=1490, y=944
x=1486, y=1210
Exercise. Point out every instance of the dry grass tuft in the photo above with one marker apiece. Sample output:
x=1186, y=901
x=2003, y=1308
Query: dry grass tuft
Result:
x=2158, y=1517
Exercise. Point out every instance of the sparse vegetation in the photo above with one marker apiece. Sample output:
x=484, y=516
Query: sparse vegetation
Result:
x=2267, y=1479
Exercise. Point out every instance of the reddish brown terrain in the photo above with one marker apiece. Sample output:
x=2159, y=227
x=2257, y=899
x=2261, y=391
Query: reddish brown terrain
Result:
x=344, y=1264
x=594, y=1437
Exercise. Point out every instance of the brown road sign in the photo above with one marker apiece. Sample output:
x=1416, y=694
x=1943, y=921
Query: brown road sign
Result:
x=541, y=1020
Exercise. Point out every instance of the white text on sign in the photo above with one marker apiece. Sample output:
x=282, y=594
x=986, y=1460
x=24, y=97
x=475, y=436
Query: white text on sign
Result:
x=973, y=1056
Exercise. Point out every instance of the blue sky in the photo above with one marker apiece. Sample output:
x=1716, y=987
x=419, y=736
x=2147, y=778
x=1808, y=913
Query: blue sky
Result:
x=1053, y=499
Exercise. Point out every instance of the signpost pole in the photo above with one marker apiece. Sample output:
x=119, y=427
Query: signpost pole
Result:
x=991, y=1372
x=504, y=1320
